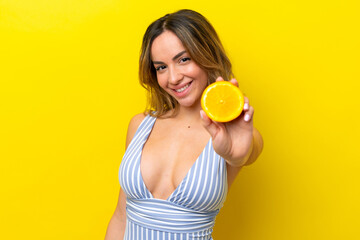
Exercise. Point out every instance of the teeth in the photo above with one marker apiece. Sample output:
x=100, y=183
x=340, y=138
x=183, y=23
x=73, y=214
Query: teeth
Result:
x=183, y=88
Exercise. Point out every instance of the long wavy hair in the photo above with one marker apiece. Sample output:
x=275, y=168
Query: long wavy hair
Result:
x=201, y=42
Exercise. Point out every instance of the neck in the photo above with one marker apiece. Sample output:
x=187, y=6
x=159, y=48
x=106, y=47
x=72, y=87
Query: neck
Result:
x=191, y=114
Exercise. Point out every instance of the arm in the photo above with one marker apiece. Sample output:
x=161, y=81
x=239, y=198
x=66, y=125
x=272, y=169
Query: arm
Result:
x=116, y=227
x=236, y=141
x=257, y=147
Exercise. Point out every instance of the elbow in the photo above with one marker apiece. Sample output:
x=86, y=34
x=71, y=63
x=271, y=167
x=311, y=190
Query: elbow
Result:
x=258, y=144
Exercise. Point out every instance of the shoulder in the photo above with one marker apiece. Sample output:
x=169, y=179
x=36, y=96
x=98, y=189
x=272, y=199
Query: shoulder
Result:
x=136, y=120
x=133, y=126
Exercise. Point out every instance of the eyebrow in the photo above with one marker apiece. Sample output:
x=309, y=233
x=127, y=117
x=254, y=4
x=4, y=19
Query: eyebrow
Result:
x=174, y=58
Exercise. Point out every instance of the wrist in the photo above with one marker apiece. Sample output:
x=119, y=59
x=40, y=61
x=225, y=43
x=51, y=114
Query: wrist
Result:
x=243, y=160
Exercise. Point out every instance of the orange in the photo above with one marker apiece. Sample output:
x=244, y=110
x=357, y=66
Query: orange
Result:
x=222, y=101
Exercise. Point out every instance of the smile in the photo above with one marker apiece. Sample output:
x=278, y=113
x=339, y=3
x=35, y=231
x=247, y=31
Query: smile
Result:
x=183, y=88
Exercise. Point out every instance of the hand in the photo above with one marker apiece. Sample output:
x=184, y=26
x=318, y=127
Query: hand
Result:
x=232, y=140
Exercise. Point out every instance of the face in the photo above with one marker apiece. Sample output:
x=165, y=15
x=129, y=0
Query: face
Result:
x=176, y=72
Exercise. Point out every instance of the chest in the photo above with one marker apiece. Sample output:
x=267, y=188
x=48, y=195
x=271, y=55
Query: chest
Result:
x=167, y=157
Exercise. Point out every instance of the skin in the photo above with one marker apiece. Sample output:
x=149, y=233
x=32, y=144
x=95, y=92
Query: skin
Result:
x=167, y=155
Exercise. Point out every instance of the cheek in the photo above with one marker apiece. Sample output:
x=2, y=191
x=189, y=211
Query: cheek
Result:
x=161, y=81
x=198, y=72
x=202, y=76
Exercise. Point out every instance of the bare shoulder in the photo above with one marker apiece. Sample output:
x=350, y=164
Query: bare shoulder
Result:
x=133, y=126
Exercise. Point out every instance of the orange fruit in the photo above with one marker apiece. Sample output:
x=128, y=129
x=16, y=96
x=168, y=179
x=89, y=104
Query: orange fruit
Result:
x=222, y=101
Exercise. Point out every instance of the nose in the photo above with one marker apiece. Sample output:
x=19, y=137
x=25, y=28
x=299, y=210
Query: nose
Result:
x=175, y=76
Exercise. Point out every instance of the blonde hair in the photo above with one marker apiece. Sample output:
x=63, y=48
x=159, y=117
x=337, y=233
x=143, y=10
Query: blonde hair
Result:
x=201, y=42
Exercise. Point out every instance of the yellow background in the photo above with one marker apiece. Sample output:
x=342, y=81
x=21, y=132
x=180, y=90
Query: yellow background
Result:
x=69, y=86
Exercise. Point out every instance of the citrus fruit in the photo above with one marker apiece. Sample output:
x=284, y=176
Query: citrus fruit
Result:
x=222, y=101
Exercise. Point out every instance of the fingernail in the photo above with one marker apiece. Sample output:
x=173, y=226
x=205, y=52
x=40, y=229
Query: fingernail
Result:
x=201, y=115
x=247, y=117
x=246, y=106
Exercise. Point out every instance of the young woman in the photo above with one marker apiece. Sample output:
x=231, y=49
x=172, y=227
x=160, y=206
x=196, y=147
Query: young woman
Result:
x=179, y=164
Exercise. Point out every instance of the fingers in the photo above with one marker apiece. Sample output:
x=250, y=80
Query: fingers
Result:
x=249, y=114
x=235, y=82
x=248, y=110
x=208, y=124
x=219, y=79
x=246, y=103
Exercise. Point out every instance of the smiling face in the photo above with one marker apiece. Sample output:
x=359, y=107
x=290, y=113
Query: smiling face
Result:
x=176, y=72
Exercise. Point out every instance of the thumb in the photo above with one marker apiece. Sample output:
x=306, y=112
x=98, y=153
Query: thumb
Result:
x=208, y=124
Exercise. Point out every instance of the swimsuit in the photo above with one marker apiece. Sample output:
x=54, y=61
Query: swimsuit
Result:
x=189, y=212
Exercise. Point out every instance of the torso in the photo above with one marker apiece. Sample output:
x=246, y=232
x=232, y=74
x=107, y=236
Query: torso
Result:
x=154, y=164
x=170, y=151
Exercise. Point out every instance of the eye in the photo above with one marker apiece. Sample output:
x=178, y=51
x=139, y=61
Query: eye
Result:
x=159, y=68
x=184, y=59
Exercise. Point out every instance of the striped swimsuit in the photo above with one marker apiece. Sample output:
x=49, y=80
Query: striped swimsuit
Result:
x=189, y=212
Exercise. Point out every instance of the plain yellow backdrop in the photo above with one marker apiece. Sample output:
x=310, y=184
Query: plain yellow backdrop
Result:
x=69, y=86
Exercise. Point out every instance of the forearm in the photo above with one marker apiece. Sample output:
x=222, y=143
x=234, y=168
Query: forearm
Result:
x=116, y=228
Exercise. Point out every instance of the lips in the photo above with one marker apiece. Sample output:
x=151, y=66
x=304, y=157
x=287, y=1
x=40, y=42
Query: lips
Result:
x=182, y=89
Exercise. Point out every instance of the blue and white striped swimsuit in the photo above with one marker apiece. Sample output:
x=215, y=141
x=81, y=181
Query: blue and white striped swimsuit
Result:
x=189, y=212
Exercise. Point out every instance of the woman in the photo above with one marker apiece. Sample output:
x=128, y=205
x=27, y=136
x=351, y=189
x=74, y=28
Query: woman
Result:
x=179, y=164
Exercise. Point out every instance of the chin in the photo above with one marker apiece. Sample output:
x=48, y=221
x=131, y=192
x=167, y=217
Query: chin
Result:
x=187, y=104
